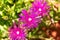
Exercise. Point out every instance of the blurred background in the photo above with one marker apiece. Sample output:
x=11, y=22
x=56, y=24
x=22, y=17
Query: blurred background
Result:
x=48, y=29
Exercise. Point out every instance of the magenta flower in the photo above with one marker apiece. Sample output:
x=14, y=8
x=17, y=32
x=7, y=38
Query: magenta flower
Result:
x=16, y=33
x=40, y=7
x=29, y=20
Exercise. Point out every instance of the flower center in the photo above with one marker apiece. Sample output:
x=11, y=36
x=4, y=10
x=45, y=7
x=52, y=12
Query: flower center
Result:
x=17, y=32
x=29, y=19
x=39, y=9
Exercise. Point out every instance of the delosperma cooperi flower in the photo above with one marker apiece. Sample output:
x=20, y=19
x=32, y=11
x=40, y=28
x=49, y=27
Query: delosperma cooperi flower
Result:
x=30, y=20
x=40, y=7
x=17, y=33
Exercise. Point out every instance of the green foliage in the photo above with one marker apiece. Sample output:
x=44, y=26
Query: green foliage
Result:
x=9, y=10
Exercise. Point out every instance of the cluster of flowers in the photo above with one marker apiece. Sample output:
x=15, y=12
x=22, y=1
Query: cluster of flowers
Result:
x=30, y=19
